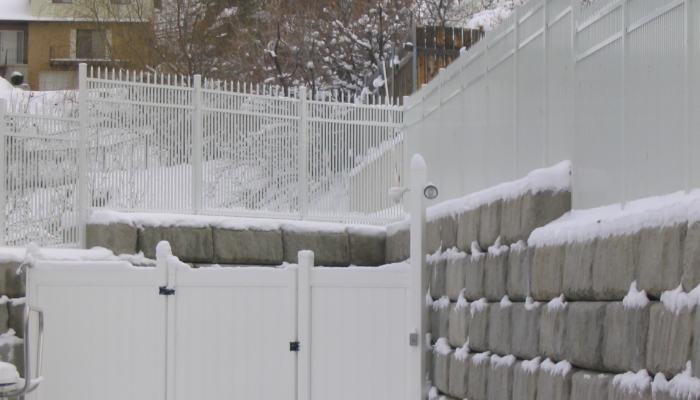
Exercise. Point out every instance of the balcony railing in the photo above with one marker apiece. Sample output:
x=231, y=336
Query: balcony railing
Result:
x=65, y=55
x=11, y=57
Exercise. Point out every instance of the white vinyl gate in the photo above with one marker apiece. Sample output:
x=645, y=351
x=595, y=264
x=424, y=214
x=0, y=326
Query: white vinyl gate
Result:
x=225, y=333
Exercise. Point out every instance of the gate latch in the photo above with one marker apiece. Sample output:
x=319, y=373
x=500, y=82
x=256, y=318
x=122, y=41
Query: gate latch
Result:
x=165, y=291
x=294, y=346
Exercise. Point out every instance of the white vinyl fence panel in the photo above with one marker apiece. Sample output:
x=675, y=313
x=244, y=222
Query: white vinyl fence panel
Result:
x=610, y=87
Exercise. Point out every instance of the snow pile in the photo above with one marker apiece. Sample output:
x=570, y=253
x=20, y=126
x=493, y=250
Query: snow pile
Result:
x=561, y=368
x=481, y=357
x=452, y=254
x=676, y=300
x=428, y=299
x=505, y=361
x=442, y=347
x=489, y=20
x=519, y=246
x=442, y=303
x=5, y=86
x=505, y=302
x=531, y=366
x=462, y=352
x=530, y=304
x=616, y=220
x=8, y=254
x=635, y=298
x=633, y=383
x=556, y=303
x=478, y=306
x=461, y=301
x=497, y=249
x=8, y=372
x=682, y=386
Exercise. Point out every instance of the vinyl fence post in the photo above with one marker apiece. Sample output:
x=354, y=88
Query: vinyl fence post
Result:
x=83, y=116
x=303, y=156
x=418, y=317
x=306, y=262
x=197, y=146
x=3, y=168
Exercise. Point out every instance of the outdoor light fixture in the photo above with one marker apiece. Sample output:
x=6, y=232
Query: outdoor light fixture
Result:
x=430, y=192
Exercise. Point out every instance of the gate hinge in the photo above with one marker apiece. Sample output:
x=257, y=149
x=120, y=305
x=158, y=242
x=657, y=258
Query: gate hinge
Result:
x=166, y=291
x=294, y=346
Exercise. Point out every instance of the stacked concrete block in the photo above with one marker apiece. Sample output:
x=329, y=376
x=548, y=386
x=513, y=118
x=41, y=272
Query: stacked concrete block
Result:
x=119, y=237
x=468, y=229
x=499, y=328
x=437, y=268
x=519, y=271
x=15, y=320
x=614, y=266
x=500, y=380
x=695, y=354
x=474, y=276
x=547, y=268
x=448, y=231
x=13, y=284
x=577, y=280
x=691, y=257
x=459, y=374
x=625, y=337
x=554, y=381
x=432, y=233
x=525, y=380
x=4, y=317
x=440, y=318
x=458, y=324
x=590, y=385
x=441, y=366
x=584, y=334
x=398, y=245
x=330, y=248
x=367, y=247
x=455, y=275
x=191, y=245
x=496, y=273
x=489, y=223
x=553, y=331
x=248, y=247
x=479, y=326
x=477, y=388
x=661, y=258
x=525, y=330
x=541, y=208
x=510, y=220
x=669, y=340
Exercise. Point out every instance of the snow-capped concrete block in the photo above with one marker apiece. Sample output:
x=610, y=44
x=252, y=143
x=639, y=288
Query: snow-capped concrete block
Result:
x=695, y=352
x=499, y=328
x=4, y=318
x=547, y=268
x=525, y=330
x=614, y=266
x=590, y=385
x=13, y=284
x=366, y=248
x=194, y=245
x=625, y=337
x=584, y=334
x=468, y=229
x=438, y=270
x=330, y=248
x=15, y=318
x=519, y=272
x=577, y=280
x=669, y=340
x=661, y=258
x=455, y=276
x=554, y=384
x=479, y=327
x=474, y=277
x=120, y=238
x=458, y=325
x=541, y=208
x=448, y=231
x=489, y=223
x=441, y=371
x=524, y=381
x=511, y=212
x=500, y=380
x=552, y=332
x=13, y=353
x=247, y=247
x=691, y=257
x=638, y=391
x=496, y=276
x=432, y=232
x=477, y=388
x=459, y=375
x=439, y=320
x=398, y=246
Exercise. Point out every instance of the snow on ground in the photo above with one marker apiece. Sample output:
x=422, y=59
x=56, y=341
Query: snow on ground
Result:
x=489, y=20
x=13, y=254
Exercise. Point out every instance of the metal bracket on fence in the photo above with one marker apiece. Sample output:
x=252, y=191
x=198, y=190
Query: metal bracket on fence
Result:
x=294, y=346
x=166, y=291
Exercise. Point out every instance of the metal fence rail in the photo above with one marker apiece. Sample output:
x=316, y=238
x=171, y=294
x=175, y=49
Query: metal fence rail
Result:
x=609, y=87
x=189, y=145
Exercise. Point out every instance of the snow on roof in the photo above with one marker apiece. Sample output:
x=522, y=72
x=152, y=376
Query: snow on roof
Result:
x=15, y=10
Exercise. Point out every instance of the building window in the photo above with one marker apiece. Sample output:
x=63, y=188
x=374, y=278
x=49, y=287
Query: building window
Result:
x=11, y=47
x=90, y=44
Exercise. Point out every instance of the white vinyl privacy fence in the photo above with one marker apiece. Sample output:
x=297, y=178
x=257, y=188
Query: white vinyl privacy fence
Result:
x=143, y=142
x=171, y=332
x=613, y=87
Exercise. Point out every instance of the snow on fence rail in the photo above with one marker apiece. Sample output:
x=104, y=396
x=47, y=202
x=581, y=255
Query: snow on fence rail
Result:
x=611, y=87
x=139, y=140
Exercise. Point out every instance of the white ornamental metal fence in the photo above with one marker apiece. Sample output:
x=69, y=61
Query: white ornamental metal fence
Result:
x=611, y=87
x=160, y=143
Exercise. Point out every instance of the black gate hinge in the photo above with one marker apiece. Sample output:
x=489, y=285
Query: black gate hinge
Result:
x=294, y=346
x=166, y=291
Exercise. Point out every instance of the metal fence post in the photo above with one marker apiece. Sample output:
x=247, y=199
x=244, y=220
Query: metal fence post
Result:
x=197, y=150
x=418, y=316
x=306, y=262
x=303, y=156
x=3, y=168
x=82, y=153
